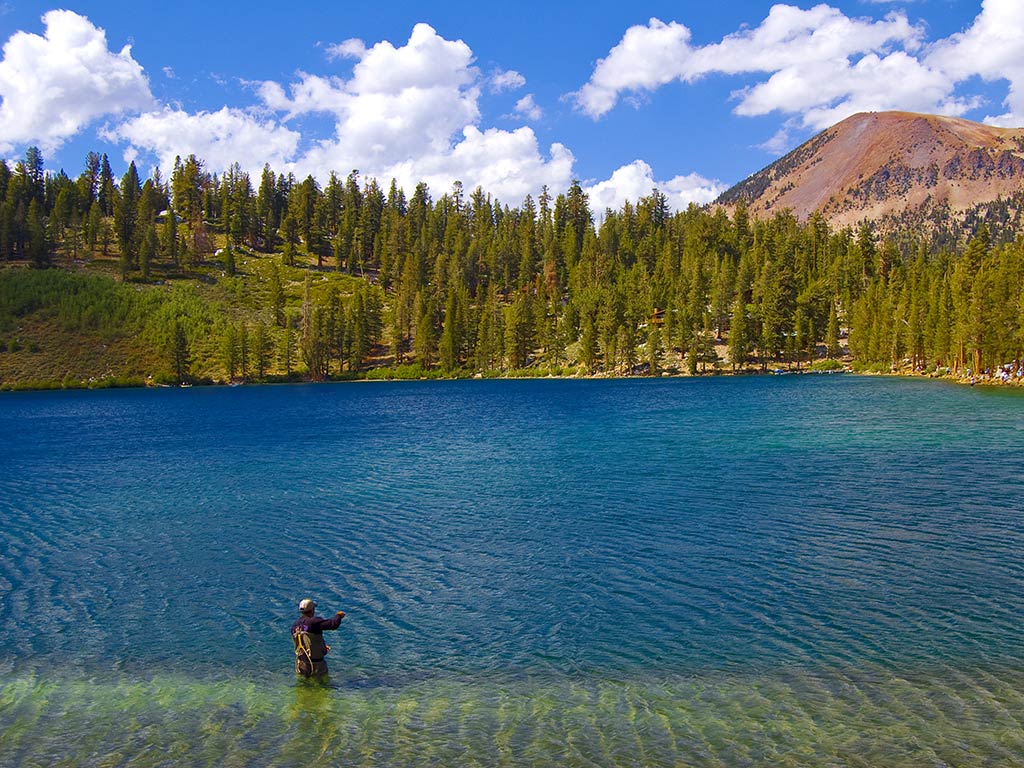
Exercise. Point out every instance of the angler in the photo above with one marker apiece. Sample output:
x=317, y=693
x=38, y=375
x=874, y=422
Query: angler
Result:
x=308, y=637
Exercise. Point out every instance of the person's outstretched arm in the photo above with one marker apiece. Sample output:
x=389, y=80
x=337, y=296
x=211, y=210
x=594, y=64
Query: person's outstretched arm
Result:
x=324, y=624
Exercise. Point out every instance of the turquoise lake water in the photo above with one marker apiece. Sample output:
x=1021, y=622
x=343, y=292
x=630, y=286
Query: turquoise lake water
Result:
x=796, y=570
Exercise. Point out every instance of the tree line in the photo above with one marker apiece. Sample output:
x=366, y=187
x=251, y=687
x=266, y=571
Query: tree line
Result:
x=463, y=283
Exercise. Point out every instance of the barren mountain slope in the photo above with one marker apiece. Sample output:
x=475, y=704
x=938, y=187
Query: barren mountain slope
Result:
x=876, y=164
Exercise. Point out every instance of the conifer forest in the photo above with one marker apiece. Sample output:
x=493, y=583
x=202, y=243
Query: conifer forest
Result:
x=223, y=277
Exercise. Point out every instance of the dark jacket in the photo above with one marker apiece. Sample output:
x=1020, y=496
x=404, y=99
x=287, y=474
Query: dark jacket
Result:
x=315, y=626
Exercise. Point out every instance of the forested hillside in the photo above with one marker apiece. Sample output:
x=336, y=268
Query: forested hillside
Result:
x=223, y=277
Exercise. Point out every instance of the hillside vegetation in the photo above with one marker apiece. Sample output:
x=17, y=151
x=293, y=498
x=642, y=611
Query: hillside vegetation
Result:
x=212, y=278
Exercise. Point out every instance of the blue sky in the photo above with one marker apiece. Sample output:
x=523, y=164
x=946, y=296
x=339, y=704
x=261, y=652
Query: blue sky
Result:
x=689, y=96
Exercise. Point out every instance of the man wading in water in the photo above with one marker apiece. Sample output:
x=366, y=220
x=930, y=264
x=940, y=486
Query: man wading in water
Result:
x=308, y=637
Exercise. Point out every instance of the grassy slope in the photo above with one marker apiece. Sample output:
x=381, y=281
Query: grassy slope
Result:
x=42, y=348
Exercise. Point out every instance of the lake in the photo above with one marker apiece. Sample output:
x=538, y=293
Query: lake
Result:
x=791, y=570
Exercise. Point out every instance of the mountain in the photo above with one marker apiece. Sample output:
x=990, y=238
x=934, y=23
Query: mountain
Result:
x=888, y=166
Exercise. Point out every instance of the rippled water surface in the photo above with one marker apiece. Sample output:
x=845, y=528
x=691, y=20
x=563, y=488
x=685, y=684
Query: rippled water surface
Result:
x=725, y=572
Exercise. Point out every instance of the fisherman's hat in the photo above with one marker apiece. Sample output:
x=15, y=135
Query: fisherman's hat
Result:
x=307, y=605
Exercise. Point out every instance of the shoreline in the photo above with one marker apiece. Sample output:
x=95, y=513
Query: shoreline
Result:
x=984, y=380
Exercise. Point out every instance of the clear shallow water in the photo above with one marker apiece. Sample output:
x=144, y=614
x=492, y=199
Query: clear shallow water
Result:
x=794, y=570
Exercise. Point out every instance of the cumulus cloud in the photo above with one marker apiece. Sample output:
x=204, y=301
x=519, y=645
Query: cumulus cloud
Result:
x=790, y=36
x=426, y=61
x=509, y=80
x=822, y=65
x=781, y=140
x=353, y=48
x=992, y=48
x=506, y=163
x=528, y=108
x=633, y=181
x=645, y=59
x=54, y=85
x=220, y=138
x=809, y=53
x=827, y=92
x=399, y=103
x=412, y=112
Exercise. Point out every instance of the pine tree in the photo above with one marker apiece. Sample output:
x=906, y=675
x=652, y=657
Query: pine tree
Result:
x=654, y=349
x=261, y=349
x=105, y=188
x=425, y=341
x=361, y=328
x=229, y=350
x=93, y=226
x=739, y=334
x=276, y=296
x=180, y=356
x=453, y=334
x=34, y=175
x=228, y=255
x=266, y=213
x=490, y=333
x=126, y=217
x=519, y=340
x=147, y=249
x=588, y=343
x=38, y=242
x=832, y=348
x=243, y=350
x=288, y=346
x=290, y=235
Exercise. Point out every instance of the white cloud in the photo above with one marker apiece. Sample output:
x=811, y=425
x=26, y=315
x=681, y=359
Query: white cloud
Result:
x=993, y=48
x=781, y=141
x=400, y=102
x=792, y=37
x=507, y=164
x=646, y=58
x=426, y=61
x=822, y=65
x=54, y=85
x=633, y=181
x=827, y=92
x=219, y=138
x=528, y=108
x=808, y=52
x=352, y=48
x=310, y=94
x=509, y=80
x=412, y=112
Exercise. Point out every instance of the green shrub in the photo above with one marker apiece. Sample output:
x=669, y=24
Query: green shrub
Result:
x=411, y=371
x=824, y=366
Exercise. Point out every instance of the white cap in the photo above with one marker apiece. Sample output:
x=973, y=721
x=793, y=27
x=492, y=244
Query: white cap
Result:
x=307, y=605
